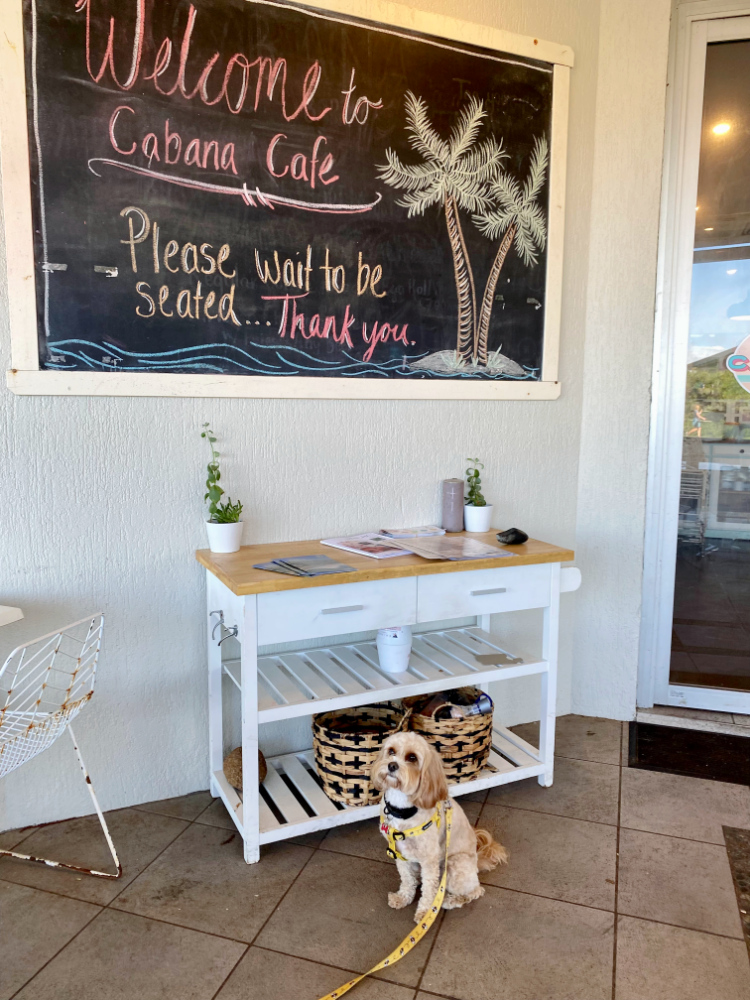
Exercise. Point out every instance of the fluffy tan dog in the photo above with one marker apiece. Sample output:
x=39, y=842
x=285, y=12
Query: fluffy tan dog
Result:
x=410, y=774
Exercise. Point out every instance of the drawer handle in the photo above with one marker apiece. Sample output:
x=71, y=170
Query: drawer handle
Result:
x=341, y=611
x=494, y=590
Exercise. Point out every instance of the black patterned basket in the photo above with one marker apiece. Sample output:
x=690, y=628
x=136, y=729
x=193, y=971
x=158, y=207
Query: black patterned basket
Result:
x=346, y=743
x=463, y=744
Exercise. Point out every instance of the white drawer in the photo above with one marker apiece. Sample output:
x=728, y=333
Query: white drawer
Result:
x=482, y=592
x=347, y=607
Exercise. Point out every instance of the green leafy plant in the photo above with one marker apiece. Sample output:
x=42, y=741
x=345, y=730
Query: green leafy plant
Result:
x=473, y=481
x=214, y=492
x=227, y=513
x=220, y=513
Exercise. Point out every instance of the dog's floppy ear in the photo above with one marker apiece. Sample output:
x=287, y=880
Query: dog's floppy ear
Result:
x=378, y=768
x=433, y=787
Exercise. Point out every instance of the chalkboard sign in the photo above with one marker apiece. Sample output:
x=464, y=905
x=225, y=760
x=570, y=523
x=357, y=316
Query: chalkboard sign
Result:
x=253, y=189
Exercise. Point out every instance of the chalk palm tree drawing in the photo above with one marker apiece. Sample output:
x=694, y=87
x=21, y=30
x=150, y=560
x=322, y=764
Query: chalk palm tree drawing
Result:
x=518, y=215
x=457, y=173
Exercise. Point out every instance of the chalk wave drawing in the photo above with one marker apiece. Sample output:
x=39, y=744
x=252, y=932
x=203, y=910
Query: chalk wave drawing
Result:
x=280, y=360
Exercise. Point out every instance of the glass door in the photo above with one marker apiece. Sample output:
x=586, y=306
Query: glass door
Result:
x=709, y=663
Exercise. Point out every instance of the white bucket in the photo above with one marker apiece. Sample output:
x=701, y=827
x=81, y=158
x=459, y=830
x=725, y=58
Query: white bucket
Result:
x=224, y=537
x=394, y=648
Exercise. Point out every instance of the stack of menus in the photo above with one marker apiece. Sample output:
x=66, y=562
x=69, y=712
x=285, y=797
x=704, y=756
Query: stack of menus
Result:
x=305, y=566
x=452, y=547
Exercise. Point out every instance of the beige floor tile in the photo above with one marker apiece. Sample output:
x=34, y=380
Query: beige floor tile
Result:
x=123, y=957
x=337, y=913
x=138, y=838
x=430, y=996
x=741, y=720
x=217, y=815
x=308, y=839
x=678, y=882
x=658, y=962
x=682, y=807
x=510, y=946
x=479, y=796
x=471, y=807
x=529, y=731
x=266, y=975
x=580, y=737
x=202, y=881
x=187, y=807
x=553, y=856
x=35, y=925
x=365, y=839
x=581, y=790
x=10, y=839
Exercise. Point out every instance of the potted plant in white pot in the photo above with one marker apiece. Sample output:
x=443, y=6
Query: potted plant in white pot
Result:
x=224, y=525
x=477, y=512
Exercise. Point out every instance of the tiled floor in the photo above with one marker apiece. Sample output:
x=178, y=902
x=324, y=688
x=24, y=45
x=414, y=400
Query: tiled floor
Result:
x=618, y=886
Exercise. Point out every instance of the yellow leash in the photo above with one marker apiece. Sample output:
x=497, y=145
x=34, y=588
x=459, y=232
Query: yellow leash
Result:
x=416, y=935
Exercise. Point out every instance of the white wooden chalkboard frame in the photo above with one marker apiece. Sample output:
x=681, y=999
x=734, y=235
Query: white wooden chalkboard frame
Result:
x=25, y=376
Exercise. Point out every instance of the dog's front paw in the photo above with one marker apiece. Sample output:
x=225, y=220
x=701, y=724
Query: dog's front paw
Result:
x=397, y=901
x=421, y=914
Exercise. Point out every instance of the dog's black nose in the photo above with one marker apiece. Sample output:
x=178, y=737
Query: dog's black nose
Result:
x=393, y=766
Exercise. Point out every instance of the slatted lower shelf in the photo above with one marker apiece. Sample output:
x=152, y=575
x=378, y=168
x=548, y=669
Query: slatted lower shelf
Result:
x=293, y=802
x=321, y=679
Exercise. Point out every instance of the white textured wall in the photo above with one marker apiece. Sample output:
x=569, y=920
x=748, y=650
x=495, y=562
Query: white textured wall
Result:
x=634, y=43
x=101, y=498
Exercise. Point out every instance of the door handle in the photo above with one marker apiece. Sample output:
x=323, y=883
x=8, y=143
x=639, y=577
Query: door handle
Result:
x=494, y=590
x=342, y=611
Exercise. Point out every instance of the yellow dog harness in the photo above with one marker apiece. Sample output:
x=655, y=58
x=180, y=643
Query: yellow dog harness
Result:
x=394, y=836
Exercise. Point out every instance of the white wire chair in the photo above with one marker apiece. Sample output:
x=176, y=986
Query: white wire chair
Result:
x=44, y=684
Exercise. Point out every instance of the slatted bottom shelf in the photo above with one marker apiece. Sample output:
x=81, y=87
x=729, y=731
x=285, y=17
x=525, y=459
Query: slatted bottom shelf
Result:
x=292, y=801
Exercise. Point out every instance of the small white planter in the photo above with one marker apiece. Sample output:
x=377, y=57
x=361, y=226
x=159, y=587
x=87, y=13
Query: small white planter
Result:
x=477, y=518
x=394, y=648
x=224, y=537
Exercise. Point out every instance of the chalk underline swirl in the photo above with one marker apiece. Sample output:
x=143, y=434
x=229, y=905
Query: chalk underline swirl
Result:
x=252, y=198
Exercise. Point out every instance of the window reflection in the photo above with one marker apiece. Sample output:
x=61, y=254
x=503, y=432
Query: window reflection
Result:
x=711, y=624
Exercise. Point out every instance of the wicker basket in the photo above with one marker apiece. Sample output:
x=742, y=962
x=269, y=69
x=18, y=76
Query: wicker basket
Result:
x=346, y=743
x=463, y=744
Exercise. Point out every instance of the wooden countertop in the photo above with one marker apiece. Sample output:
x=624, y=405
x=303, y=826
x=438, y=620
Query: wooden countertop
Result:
x=235, y=569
